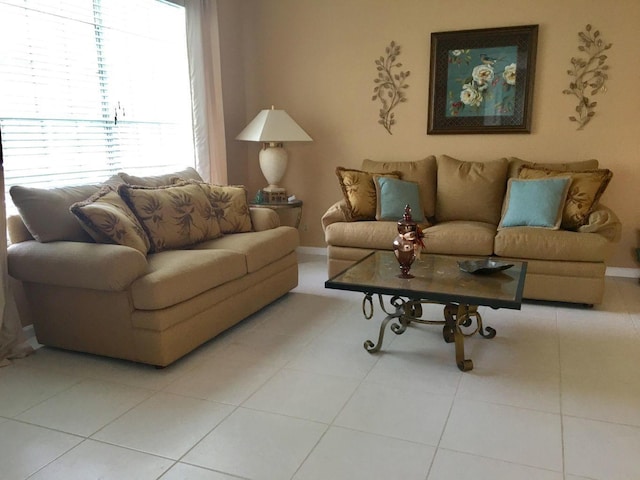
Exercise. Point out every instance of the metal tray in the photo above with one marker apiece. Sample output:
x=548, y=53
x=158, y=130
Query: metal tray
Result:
x=483, y=266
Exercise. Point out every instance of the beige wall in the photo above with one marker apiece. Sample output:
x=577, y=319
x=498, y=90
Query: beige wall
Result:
x=315, y=59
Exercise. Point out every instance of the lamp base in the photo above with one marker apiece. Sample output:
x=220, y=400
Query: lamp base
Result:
x=273, y=163
x=274, y=189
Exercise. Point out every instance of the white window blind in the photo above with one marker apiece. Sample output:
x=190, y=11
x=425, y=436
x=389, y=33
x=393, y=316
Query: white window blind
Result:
x=92, y=87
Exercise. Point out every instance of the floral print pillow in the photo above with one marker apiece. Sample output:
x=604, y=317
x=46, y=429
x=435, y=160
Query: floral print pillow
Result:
x=230, y=206
x=360, y=192
x=173, y=216
x=585, y=190
x=108, y=219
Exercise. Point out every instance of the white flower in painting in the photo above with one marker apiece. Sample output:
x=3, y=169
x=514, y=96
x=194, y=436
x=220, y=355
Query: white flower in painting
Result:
x=509, y=74
x=470, y=95
x=456, y=53
x=482, y=75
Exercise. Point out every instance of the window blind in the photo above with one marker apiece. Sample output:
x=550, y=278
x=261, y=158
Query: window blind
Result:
x=92, y=87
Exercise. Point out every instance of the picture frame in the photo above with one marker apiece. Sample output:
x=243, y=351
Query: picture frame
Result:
x=481, y=81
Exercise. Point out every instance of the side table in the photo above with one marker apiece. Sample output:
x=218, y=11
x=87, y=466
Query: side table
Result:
x=290, y=213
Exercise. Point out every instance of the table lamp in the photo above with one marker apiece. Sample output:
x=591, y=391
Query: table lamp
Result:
x=272, y=128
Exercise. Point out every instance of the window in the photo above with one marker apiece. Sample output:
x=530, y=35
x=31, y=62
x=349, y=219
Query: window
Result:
x=92, y=87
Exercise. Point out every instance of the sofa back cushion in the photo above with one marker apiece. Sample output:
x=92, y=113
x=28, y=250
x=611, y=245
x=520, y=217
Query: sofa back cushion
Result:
x=161, y=180
x=471, y=191
x=107, y=218
x=45, y=212
x=173, y=216
x=423, y=172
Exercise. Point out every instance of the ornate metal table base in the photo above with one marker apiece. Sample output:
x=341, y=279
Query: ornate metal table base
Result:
x=409, y=310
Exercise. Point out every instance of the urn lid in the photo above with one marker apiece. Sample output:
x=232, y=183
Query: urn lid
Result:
x=406, y=224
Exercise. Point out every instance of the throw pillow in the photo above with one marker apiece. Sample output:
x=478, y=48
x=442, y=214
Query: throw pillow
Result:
x=230, y=206
x=360, y=192
x=515, y=164
x=471, y=191
x=585, y=190
x=173, y=216
x=45, y=212
x=108, y=219
x=393, y=195
x=423, y=172
x=161, y=180
x=535, y=203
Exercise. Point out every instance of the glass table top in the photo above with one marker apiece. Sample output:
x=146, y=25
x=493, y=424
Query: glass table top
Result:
x=437, y=278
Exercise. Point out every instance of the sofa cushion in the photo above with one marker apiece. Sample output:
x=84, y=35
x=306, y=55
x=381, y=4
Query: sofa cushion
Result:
x=515, y=164
x=541, y=244
x=360, y=192
x=161, y=180
x=258, y=248
x=471, y=191
x=172, y=216
x=535, y=203
x=230, y=206
x=178, y=275
x=366, y=234
x=393, y=195
x=460, y=237
x=45, y=212
x=423, y=172
x=584, y=192
x=107, y=218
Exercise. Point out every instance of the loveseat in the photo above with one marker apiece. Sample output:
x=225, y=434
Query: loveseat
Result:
x=196, y=262
x=463, y=207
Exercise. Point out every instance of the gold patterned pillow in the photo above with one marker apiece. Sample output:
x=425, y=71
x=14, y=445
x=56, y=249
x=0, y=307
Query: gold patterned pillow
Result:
x=173, y=216
x=230, y=206
x=585, y=190
x=108, y=219
x=360, y=192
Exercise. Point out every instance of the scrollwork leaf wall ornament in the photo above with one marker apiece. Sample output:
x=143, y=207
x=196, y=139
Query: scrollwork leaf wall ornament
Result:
x=390, y=88
x=589, y=75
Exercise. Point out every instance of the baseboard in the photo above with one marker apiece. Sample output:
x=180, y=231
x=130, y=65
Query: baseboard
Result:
x=623, y=272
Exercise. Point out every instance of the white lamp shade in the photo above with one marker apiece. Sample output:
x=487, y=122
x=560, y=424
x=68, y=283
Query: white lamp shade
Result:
x=273, y=126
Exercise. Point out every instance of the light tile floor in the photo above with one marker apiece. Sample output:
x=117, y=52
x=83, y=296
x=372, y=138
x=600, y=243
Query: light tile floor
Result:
x=290, y=393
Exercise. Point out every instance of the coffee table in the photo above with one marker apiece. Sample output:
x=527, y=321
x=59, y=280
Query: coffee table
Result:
x=437, y=279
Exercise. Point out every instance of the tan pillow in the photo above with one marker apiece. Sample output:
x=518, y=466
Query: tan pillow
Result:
x=45, y=212
x=108, y=219
x=161, y=180
x=584, y=192
x=360, y=192
x=471, y=191
x=172, y=216
x=516, y=163
x=423, y=172
x=230, y=206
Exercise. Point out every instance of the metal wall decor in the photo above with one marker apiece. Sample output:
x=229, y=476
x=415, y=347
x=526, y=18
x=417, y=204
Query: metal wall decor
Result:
x=588, y=75
x=481, y=80
x=390, y=87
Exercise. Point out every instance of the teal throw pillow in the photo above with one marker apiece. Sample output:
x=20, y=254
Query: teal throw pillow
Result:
x=392, y=195
x=535, y=203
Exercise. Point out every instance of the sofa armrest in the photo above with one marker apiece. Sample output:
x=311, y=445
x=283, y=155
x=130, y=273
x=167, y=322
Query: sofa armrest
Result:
x=604, y=222
x=263, y=218
x=337, y=212
x=76, y=264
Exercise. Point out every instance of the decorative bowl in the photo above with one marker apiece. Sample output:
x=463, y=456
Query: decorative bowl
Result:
x=484, y=266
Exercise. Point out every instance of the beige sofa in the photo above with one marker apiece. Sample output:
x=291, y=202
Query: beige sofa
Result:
x=464, y=203
x=115, y=300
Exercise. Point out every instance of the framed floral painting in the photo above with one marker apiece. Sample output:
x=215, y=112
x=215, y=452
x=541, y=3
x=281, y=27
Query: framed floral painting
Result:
x=482, y=80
